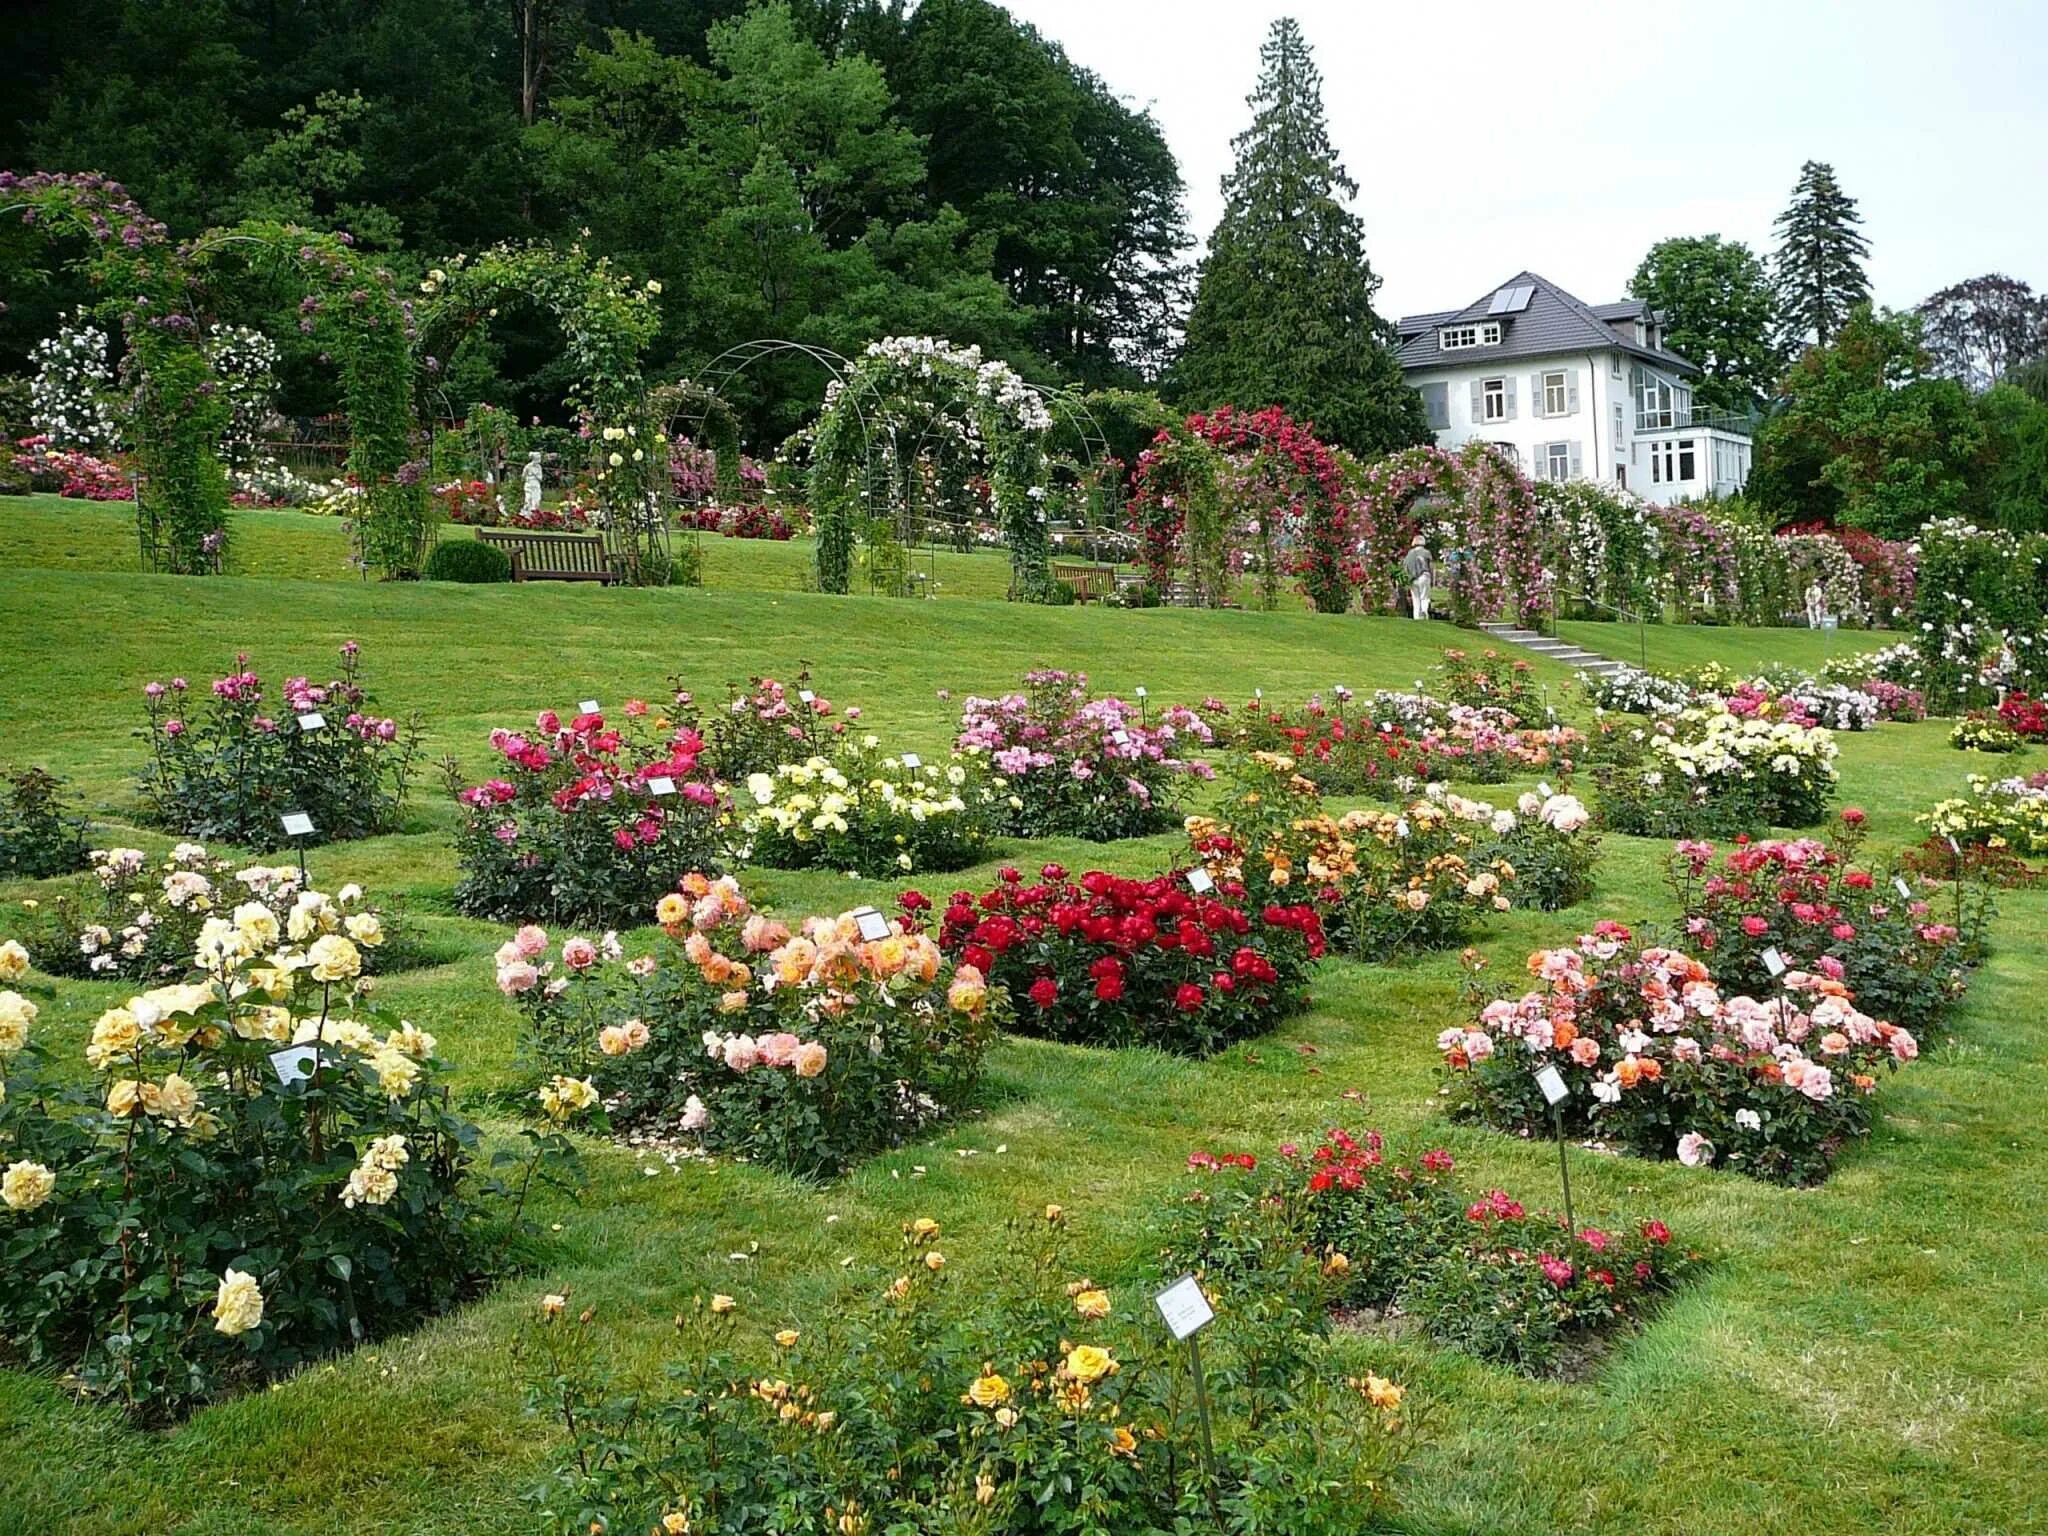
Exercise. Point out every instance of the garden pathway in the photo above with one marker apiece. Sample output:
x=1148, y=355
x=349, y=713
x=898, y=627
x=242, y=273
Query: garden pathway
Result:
x=1574, y=656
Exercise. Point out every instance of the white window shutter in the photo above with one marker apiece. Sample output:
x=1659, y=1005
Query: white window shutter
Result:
x=1509, y=381
x=1578, y=464
x=1478, y=402
x=1571, y=393
x=1537, y=404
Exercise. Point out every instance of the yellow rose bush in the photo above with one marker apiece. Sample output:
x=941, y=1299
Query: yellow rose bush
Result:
x=805, y=1050
x=251, y=1167
x=1005, y=1394
x=862, y=809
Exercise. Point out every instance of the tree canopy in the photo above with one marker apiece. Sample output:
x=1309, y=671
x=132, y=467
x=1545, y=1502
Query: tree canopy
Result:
x=1720, y=313
x=1820, y=258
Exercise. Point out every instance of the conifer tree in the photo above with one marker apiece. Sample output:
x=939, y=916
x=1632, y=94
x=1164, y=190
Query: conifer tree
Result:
x=1283, y=313
x=1820, y=259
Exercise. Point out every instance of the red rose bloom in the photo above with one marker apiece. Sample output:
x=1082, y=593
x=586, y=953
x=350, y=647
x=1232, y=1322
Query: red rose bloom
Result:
x=1045, y=992
x=1188, y=997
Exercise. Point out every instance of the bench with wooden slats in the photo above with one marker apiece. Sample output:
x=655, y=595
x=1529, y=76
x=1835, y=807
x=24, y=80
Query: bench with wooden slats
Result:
x=539, y=555
x=1090, y=582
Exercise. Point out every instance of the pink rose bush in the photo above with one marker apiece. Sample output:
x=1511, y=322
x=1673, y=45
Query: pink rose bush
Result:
x=805, y=1049
x=1080, y=766
x=586, y=820
x=70, y=472
x=1662, y=1062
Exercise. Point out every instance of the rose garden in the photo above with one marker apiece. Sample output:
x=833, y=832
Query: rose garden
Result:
x=737, y=1041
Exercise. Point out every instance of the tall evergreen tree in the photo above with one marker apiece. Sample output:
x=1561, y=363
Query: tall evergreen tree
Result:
x=1283, y=313
x=1820, y=259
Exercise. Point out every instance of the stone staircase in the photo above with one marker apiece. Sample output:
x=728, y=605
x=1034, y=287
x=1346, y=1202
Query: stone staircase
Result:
x=1575, y=657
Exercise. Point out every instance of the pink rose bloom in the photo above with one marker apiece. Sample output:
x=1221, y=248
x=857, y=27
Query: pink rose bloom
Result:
x=643, y=965
x=1755, y=926
x=579, y=954
x=695, y=1115
x=779, y=1049
x=1904, y=1046
x=742, y=1053
x=762, y=934
x=516, y=978
x=1694, y=1150
x=1685, y=1048
x=532, y=941
x=1585, y=1051
x=810, y=1059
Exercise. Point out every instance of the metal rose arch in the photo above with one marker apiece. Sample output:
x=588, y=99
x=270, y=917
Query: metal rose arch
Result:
x=1477, y=512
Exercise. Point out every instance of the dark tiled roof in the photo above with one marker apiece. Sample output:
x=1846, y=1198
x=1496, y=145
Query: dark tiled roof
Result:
x=1553, y=323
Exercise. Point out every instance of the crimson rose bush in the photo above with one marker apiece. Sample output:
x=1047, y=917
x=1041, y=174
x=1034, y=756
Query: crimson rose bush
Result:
x=1110, y=961
x=1662, y=1062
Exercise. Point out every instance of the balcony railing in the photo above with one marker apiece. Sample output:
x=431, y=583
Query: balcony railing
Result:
x=1740, y=424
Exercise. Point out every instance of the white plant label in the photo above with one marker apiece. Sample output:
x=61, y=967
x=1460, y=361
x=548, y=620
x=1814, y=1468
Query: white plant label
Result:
x=590, y=707
x=1183, y=1307
x=659, y=787
x=912, y=760
x=312, y=720
x=1774, y=962
x=804, y=695
x=1545, y=791
x=298, y=824
x=1905, y=891
x=873, y=926
x=1955, y=848
x=1140, y=691
x=1199, y=882
x=294, y=1064
x=1552, y=1082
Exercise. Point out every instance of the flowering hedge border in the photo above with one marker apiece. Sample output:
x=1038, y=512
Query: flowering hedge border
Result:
x=1486, y=522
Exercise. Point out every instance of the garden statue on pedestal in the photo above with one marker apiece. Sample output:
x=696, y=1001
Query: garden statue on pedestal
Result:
x=531, y=504
x=1417, y=566
x=1816, y=605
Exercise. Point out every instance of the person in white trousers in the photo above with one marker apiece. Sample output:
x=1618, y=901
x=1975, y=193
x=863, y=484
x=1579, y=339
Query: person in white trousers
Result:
x=1417, y=566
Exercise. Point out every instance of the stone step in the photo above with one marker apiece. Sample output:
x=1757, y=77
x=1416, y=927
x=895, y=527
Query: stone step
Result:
x=1563, y=652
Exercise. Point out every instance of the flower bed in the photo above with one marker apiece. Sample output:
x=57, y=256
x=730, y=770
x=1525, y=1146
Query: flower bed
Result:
x=1108, y=961
x=1397, y=1239
x=140, y=919
x=1707, y=772
x=1661, y=1063
x=765, y=724
x=2006, y=814
x=870, y=813
x=587, y=821
x=71, y=473
x=1823, y=912
x=1003, y=1393
x=1631, y=691
x=1401, y=743
x=1079, y=766
x=260, y=1171
x=1984, y=733
x=1490, y=680
x=2026, y=717
x=226, y=766
x=807, y=1052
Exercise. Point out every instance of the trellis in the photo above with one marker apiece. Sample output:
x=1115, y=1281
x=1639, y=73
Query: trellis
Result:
x=1479, y=522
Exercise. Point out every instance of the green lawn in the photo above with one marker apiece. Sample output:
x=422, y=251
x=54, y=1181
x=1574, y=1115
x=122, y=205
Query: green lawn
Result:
x=1671, y=646
x=1868, y=1356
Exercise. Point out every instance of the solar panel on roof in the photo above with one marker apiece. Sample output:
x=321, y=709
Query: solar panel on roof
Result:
x=1499, y=306
x=1518, y=299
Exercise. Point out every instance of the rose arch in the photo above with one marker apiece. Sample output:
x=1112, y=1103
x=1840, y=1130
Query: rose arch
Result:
x=1476, y=511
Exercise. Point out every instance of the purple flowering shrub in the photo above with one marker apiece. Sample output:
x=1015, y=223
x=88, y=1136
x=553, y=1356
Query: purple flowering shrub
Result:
x=1082, y=766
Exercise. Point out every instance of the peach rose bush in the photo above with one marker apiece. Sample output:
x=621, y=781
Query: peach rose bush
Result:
x=252, y=1168
x=986, y=1383
x=588, y=819
x=1663, y=1062
x=1105, y=960
x=805, y=1050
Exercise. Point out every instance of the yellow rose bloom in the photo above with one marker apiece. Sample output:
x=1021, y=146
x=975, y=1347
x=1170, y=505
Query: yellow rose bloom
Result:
x=366, y=929
x=334, y=958
x=722, y=1303
x=1092, y=1304
x=176, y=1100
x=935, y=1261
x=671, y=910
x=1382, y=1393
x=115, y=1036
x=16, y=1014
x=1085, y=1362
x=990, y=1391
x=922, y=1230
x=238, y=1305
x=26, y=1185
x=124, y=1097
x=13, y=961
x=787, y=1338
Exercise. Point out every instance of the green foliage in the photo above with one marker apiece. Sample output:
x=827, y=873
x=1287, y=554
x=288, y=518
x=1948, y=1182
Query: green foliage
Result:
x=1864, y=437
x=468, y=560
x=40, y=833
x=1283, y=312
x=2014, y=491
x=1819, y=265
x=1720, y=312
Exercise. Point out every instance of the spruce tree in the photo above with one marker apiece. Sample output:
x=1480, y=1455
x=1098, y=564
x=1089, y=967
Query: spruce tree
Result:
x=1820, y=259
x=1283, y=313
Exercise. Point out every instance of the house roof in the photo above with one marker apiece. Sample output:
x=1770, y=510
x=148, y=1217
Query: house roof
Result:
x=1552, y=322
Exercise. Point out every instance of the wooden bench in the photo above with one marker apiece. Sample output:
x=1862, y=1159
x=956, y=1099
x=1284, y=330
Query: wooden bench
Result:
x=1090, y=582
x=540, y=555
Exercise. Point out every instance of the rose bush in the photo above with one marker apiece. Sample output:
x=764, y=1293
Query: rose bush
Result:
x=41, y=834
x=1997, y=814
x=1708, y=772
x=866, y=811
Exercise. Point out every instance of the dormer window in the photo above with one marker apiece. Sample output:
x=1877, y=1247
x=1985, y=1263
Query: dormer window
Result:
x=1456, y=338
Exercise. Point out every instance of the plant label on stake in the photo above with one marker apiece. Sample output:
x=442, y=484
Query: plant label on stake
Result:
x=660, y=787
x=1199, y=882
x=1899, y=884
x=294, y=1064
x=312, y=720
x=805, y=696
x=1555, y=1091
x=298, y=826
x=912, y=761
x=590, y=707
x=873, y=926
x=1544, y=790
x=1774, y=962
x=1186, y=1312
x=1139, y=690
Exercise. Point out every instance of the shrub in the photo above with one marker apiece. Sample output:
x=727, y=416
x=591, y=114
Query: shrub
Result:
x=1707, y=772
x=1552, y=849
x=1984, y=733
x=1083, y=767
x=1634, y=692
x=2026, y=717
x=140, y=919
x=858, y=1045
x=1004, y=1395
x=40, y=835
x=226, y=767
x=1821, y=911
x=1491, y=680
x=873, y=814
x=765, y=724
x=1399, y=743
x=1110, y=961
x=261, y=1170
x=1995, y=814
x=1396, y=1237
x=1425, y=879
x=468, y=560
x=72, y=473
x=589, y=822
x=1661, y=1063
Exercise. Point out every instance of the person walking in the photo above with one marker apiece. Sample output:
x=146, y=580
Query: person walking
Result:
x=1420, y=569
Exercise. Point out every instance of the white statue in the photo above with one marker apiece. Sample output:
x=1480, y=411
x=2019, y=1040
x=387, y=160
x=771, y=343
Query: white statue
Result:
x=1816, y=605
x=532, y=501
x=1417, y=566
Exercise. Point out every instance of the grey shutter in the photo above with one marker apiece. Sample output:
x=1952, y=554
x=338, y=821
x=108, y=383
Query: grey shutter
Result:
x=1509, y=382
x=1478, y=402
x=1571, y=393
x=1578, y=464
x=1538, y=405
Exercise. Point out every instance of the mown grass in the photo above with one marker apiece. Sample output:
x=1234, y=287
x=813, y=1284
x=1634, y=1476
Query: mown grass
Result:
x=1867, y=1356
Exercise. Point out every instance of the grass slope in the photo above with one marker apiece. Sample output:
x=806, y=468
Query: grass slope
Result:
x=1865, y=1357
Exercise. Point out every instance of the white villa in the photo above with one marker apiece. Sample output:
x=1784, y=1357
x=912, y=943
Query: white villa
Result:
x=1573, y=391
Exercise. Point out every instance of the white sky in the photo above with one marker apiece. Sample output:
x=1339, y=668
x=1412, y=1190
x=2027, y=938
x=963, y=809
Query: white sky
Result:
x=1567, y=138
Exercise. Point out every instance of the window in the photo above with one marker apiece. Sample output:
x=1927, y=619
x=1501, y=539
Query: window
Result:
x=1673, y=462
x=1455, y=338
x=1654, y=404
x=1557, y=461
x=1619, y=433
x=1554, y=394
x=1510, y=452
x=1436, y=405
x=1493, y=395
x=1685, y=459
x=1614, y=364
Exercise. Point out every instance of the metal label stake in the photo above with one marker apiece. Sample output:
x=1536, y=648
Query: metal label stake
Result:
x=1186, y=1312
x=1555, y=1092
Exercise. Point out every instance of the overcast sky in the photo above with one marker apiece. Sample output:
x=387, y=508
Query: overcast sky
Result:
x=1486, y=137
